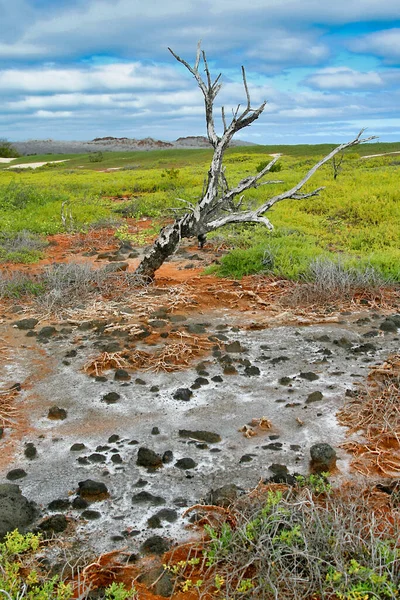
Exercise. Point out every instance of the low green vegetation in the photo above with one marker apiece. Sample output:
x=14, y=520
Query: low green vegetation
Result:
x=305, y=543
x=356, y=218
x=22, y=574
x=7, y=150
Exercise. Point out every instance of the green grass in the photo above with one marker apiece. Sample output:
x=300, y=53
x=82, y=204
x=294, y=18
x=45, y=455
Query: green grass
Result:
x=357, y=216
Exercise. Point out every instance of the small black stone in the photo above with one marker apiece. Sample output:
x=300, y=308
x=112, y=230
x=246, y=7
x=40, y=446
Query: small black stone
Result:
x=274, y=446
x=185, y=463
x=77, y=447
x=202, y=436
x=246, y=458
x=92, y=490
x=111, y=398
x=154, y=389
x=251, y=371
x=309, y=376
x=54, y=524
x=199, y=381
x=116, y=459
x=364, y=348
x=389, y=325
x=183, y=394
x=30, y=451
x=57, y=414
x=47, y=331
x=60, y=504
x=90, y=515
x=234, y=347
x=79, y=503
x=217, y=378
x=113, y=438
x=16, y=474
x=143, y=497
x=155, y=545
x=121, y=375
x=279, y=359
x=141, y=483
x=96, y=457
x=314, y=397
x=26, y=323
x=155, y=431
x=167, y=514
x=148, y=458
x=167, y=457
x=154, y=522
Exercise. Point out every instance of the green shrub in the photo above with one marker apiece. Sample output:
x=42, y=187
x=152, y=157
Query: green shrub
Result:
x=7, y=150
x=96, y=157
x=293, y=546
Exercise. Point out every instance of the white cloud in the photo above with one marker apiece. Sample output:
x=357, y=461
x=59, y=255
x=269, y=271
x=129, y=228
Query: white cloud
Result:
x=122, y=76
x=344, y=78
x=385, y=44
x=48, y=114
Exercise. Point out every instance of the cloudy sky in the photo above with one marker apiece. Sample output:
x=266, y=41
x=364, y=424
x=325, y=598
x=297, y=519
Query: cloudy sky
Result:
x=89, y=68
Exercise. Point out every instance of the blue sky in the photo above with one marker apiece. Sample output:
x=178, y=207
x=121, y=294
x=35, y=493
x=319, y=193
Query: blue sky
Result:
x=89, y=68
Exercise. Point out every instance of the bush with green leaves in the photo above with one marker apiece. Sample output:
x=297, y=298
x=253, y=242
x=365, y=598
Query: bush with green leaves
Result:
x=22, y=575
x=96, y=157
x=7, y=150
x=19, y=574
x=307, y=542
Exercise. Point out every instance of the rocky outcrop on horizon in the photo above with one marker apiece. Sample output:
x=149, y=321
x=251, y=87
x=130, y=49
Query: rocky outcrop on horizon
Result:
x=112, y=144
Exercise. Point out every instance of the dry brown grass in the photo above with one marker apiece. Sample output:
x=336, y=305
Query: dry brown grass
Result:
x=8, y=412
x=176, y=355
x=375, y=412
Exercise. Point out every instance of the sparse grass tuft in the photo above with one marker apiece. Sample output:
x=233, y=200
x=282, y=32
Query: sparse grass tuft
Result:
x=328, y=280
x=21, y=247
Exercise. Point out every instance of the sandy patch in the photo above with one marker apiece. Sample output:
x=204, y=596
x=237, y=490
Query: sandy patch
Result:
x=383, y=154
x=36, y=164
x=6, y=160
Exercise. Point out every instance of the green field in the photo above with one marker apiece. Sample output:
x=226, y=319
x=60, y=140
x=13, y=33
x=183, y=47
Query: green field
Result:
x=356, y=219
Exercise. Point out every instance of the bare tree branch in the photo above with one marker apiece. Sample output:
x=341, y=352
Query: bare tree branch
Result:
x=217, y=207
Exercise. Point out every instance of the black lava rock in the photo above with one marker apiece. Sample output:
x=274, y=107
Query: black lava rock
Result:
x=92, y=490
x=60, y=504
x=30, y=451
x=57, y=414
x=16, y=474
x=144, y=497
x=183, y=394
x=148, y=458
x=202, y=436
x=111, y=398
x=185, y=463
x=16, y=511
x=26, y=323
x=121, y=375
x=323, y=458
x=155, y=545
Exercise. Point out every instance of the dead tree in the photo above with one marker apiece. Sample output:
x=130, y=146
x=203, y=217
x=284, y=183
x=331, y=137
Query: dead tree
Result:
x=218, y=205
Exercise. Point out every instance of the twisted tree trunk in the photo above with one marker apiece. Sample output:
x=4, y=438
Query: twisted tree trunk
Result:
x=217, y=207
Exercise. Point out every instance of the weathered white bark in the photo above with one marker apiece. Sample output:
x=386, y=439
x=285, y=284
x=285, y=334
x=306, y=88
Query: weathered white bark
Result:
x=216, y=207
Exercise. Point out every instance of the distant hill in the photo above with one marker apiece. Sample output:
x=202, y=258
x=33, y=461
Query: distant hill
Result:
x=112, y=144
